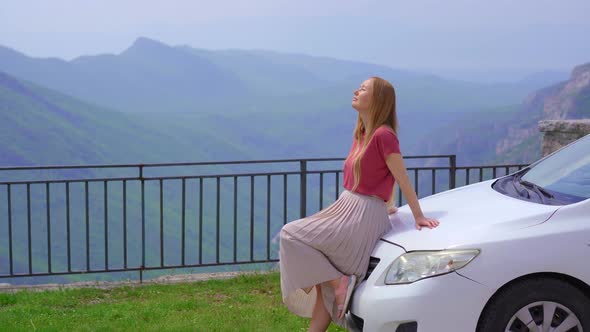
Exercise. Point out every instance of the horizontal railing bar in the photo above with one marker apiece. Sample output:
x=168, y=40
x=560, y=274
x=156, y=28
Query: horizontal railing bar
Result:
x=489, y=166
x=426, y=168
x=25, y=168
x=180, y=177
x=440, y=156
x=14, y=168
x=213, y=176
x=409, y=169
x=137, y=269
x=71, y=180
x=239, y=174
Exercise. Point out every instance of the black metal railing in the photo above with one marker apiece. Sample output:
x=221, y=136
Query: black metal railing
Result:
x=69, y=220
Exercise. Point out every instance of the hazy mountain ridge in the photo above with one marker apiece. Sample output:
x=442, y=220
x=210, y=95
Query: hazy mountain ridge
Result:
x=40, y=126
x=260, y=105
x=151, y=76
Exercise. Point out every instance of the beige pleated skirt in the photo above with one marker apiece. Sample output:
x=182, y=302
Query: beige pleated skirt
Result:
x=335, y=241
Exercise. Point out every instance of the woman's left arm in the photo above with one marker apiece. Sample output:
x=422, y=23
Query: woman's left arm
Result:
x=395, y=163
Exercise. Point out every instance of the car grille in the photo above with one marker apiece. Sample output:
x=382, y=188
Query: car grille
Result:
x=408, y=327
x=373, y=261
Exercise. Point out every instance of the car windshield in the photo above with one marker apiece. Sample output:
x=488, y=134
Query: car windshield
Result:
x=559, y=179
x=565, y=173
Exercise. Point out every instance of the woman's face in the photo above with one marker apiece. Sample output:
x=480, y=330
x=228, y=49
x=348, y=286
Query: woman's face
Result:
x=362, y=96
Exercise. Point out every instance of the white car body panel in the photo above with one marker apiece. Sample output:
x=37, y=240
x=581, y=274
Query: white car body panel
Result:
x=560, y=245
x=516, y=238
x=467, y=216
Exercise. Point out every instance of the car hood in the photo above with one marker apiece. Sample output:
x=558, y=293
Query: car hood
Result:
x=468, y=216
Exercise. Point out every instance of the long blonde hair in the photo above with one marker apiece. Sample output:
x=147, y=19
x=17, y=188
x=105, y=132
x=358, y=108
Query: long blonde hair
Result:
x=382, y=111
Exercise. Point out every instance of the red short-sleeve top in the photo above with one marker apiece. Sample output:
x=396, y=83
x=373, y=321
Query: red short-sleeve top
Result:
x=376, y=179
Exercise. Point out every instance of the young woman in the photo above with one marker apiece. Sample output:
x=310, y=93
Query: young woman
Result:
x=324, y=255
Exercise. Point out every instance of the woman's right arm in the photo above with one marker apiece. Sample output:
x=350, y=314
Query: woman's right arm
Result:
x=391, y=202
x=395, y=163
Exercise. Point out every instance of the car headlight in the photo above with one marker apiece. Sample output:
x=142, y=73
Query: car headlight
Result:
x=417, y=265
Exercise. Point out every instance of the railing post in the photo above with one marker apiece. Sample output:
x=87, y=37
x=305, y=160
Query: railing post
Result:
x=142, y=222
x=303, y=188
x=452, y=171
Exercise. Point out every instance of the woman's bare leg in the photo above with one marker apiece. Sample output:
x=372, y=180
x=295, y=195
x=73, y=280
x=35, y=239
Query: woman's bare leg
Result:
x=320, y=318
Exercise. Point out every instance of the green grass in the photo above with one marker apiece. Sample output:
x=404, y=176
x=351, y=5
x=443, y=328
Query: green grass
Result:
x=244, y=303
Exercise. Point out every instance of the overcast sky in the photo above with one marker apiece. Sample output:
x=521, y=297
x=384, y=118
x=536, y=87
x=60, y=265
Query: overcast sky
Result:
x=438, y=36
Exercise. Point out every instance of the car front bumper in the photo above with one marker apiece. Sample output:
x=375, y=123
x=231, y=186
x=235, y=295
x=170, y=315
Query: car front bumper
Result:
x=447, y=302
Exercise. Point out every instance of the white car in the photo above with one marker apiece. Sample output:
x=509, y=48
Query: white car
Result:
x=510, y=254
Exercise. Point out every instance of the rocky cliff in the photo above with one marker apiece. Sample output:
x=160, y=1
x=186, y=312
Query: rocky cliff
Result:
x=511, y=134
x=566, y=100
